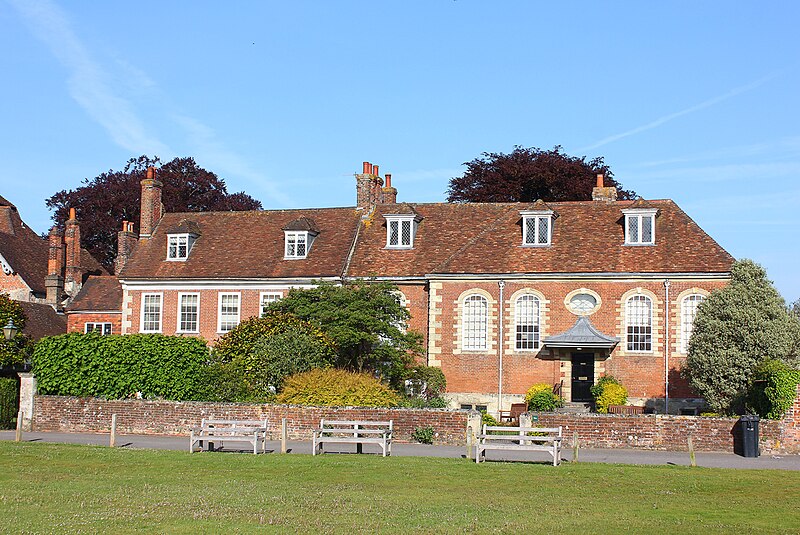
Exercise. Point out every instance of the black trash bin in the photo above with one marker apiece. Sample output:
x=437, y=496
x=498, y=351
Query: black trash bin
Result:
x=748, y=426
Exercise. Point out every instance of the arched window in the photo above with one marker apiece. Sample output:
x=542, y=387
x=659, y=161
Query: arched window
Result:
x=688, y=312
x=527, y=322
x=474, y=323
x=639, y=320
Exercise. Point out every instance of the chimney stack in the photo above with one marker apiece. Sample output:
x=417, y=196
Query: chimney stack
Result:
x=54, y=281
x=389, y=193
x=602, y=193
x=150, y=204
x=364, y=187
x=126, y=240
x=72, y=246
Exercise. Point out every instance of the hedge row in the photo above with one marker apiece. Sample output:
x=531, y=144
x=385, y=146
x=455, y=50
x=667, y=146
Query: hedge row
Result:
x=9, y=401
x=116, y=367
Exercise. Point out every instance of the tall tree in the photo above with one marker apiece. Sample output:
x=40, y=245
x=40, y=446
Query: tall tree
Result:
x=103, y=202
x=736, y=329
x=528, y=174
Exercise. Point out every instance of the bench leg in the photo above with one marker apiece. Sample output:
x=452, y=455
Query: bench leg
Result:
x=359, y=447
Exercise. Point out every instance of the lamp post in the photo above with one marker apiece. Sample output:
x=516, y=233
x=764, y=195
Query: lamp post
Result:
x=10, y=330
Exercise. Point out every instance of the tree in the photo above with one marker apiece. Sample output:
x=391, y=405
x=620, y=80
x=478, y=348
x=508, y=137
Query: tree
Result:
x=15, y=350
x=736, y=328
x=103, y=202
x=528, y=174
x=365, y=320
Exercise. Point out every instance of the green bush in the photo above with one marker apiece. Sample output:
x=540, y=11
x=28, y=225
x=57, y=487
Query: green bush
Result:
x=488, y=419
x=612, y=394
x=416, y=402
x=596, y=389
x=425, y=381
x=423, y=435
x=13, y=351
x=9, y=402
x=116, y=367
x=336, y=388
x=541, y=398
x=773, y=389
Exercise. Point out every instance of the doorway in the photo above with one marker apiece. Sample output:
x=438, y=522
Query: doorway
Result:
x=582, y=376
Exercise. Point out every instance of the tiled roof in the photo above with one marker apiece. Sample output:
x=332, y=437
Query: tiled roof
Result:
x=42, y=320
x=24, y=250
x=485, y=238
x=100, y=293
x=247, y=245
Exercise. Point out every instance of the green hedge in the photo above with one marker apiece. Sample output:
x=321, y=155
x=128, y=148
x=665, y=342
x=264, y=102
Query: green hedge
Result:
x=117, y=367
x=773, y=389
x=9, y=402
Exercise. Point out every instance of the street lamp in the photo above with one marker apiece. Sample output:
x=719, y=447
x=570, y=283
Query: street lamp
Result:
x=10, y=330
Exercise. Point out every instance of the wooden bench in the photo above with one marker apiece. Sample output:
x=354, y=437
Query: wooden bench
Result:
x=519, y=439
x=353, y=432
x=513, y=414
x=214, y=431
x=625, y=409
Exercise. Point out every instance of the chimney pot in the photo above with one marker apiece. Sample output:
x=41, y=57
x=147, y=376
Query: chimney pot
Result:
x=151, y=172
x=375, y=170
x=388, y=180
x=600, y=180
x=72, y=214
x=365, y=168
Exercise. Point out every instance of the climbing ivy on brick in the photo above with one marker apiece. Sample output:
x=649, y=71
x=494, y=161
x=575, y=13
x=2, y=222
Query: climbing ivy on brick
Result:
x=773, y=389
x=117, y=367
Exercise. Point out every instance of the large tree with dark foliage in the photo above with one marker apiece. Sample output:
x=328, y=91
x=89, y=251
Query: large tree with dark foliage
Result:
x=103, y=202
x=528, y=174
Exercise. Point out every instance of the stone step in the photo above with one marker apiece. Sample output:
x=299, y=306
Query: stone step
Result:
x=575, y=408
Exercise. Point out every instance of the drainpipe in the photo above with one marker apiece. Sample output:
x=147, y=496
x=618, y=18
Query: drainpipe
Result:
x=666, y=346
x=502, y=285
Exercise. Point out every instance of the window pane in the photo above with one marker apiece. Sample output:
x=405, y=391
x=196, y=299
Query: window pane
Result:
x=301, y=246
x=639, y=318
x=406, y=233
x=151, y=313
x=393, y=232
x=544, y=230
x=475, y=322
x=189, y=313
x=633, y=229
x=527, y=322
x=688, y=313
x=228, y=312
x=266, y=299
x=106, y=329
x=173, y=248
x=530, y=230
x=647, y=229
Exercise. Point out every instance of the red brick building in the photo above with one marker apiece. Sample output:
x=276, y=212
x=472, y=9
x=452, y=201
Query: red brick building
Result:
x=506, y=294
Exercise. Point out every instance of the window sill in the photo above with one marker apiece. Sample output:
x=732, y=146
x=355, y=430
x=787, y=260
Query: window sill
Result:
x=399, y=247
x=536, y=245
x=295, y=257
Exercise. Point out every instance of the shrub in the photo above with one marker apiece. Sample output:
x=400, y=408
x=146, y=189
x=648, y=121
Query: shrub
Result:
x=773, y=389
x=416, y=402
x=425, y=381
x=337, y=388
x=611, y=394
x=13, y=351
x=488, y=419
x=540, y=397
x=596, y=389
x=9, y=401
x=116, y=366
x=423, y=435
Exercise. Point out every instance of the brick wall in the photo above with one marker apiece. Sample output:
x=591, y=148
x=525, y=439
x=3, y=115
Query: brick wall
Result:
x=659, y=432
x=69, y=414
x=76, y=321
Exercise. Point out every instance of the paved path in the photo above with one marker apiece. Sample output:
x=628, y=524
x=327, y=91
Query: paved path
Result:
x=620, y=456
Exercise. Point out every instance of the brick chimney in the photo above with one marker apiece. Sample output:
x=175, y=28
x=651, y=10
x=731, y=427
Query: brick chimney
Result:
x=151, y=204
x=364, y=190
x=389, y=193
x=602, y=193
x=54, y=282
x=72, y=249
x=126, y=241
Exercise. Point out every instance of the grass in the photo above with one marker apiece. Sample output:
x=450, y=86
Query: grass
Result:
x=50, y=488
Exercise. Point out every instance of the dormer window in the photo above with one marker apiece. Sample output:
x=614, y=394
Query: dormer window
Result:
x=400, y=230
x=640, y=226
x=537, y=228
x=179, y=245
x=297, y=244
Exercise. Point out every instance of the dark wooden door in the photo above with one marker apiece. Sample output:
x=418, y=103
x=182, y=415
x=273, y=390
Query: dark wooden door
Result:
x=582, y=376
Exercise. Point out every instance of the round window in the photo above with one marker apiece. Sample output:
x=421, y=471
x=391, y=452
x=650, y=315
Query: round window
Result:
x=582, y=303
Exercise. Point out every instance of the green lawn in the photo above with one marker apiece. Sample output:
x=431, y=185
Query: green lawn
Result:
x=66, y=489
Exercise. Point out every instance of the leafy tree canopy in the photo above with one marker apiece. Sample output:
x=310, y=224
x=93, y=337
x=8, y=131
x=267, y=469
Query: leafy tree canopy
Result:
x=736, y=329
x=365, y=320
x=528, y=174
x=15, y=350
x=103, y=202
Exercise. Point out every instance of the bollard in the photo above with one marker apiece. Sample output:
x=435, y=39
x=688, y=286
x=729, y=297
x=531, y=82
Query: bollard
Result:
x=469, y=442
x=283, y=435
x=692, y=460
x=575, y=447
x=113, y=439
x=18, y=437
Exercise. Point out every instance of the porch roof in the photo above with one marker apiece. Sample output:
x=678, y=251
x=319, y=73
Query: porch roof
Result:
x=582, y=334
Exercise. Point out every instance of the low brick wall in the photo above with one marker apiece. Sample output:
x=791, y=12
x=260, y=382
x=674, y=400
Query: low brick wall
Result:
x=70, y=414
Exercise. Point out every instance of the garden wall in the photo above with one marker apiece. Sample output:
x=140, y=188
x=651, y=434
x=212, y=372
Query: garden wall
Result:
x=648, y=431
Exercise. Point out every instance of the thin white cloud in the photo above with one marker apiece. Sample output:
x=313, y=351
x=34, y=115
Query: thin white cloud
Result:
x=784, y=148
x=667, y=118
x=88, y=83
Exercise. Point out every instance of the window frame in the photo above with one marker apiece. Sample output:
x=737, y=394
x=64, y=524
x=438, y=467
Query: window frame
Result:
x=478, y=325
x=179, y=314
x=307, y=238
x=103, y=325
x=261, y=297
x=537, y=216
x=400, y=221
x=189, y=242
x=632, y=344
x=640, y=215
x=160, y=312
x=536, y=324
x=220, y=296
x=687, y=328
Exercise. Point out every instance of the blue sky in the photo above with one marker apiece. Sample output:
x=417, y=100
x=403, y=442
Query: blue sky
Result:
x=694, y=101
